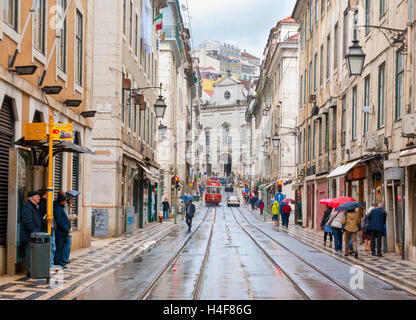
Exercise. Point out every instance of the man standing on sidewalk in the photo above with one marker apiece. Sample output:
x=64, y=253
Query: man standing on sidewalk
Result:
x=286, y=209
x=190, y=212
x=166, y=208
x=377, y=220
x=31, y=223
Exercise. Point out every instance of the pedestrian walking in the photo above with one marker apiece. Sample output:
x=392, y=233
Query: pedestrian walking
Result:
x=327, y=229
x=166, y=207
x=62, y=229
x=275, y=213
x=31, y=223
x=190, y=212
x=366, y=232
x=68, y=240
x=352, y=221
x=286, y=210
x=335, y=221
x=377, y=220
x=261, y=207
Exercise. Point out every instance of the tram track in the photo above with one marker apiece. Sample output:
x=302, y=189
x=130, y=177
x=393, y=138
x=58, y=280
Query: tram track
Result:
x=198, y=287
x=325, y=275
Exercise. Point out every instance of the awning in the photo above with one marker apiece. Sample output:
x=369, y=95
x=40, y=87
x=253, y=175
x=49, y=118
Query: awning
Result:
x=343, y=170
x=145, y=169
x=40, y=149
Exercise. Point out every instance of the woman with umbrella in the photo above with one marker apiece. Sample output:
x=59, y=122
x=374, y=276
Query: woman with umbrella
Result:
x=352, y=222
x=327, y=229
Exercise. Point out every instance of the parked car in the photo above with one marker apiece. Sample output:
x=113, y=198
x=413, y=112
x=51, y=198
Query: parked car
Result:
x=229, y=188
x=233, y=201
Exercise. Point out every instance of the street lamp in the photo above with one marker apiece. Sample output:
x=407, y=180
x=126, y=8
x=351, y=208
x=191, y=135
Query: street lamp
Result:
x=355, y=56
x=160, y=105
x=276, y=140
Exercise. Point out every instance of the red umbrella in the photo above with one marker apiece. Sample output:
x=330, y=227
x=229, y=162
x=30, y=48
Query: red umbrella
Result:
x=288, y=200
x=325, y=201
x=335, y=203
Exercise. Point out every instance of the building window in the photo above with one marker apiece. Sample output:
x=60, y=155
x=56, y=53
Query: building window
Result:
x=79, y=34
x=320, y=136
x=39, y=26
x=301, y=91
x=124, y=16
x=354, y=113
x=345, y=34
x=226, y=135
x=323, y=7
x=136, y=36
x=131, y=24
x=336, y=46
x=366, y=104
x=367, y=15
x=227, y=95
x=310, y=16
x=314, y=140
x=321, y=67
x=310, y=77
x=382, y=8
x=399, y=85
x=123, y=99
x=334, y=127
x=328, y=56
x=207, y=138
x=304, y=88
x=344, y=121
x=381, y=96
x=10, y=13
x=61, y=36
x=316, y=11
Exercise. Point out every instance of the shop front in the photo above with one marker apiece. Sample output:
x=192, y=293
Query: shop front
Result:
x=321, y=193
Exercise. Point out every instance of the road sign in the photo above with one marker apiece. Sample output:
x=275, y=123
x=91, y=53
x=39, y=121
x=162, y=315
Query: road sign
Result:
x=35, y=131
x=279, y=197
x=63, y=131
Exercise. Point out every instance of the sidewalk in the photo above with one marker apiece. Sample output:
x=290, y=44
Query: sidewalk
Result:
x=390, y=268
x=87, y=266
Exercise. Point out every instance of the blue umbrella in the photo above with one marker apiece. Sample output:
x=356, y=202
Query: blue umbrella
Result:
x=186, y=198
x=271, y=201
x=258, y=202
x=351, y=205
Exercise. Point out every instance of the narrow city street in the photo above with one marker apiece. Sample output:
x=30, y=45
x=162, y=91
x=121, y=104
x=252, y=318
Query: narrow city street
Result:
x=232, y=255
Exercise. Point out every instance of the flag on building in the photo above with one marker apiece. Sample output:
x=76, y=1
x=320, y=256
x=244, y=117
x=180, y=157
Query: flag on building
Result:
x=159, y=22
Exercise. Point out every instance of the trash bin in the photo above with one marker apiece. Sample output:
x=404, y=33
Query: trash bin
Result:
x=40, y=247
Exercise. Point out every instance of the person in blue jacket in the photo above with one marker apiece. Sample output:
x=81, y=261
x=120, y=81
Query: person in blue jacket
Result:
x=377, y=221
x=62, y=229
x=31, y=223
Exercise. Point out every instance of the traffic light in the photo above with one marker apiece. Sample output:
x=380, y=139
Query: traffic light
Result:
x=279, y=186
x=177, y=179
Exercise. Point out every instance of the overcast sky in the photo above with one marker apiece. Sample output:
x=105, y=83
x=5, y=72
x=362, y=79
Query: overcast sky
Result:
x=245, y=23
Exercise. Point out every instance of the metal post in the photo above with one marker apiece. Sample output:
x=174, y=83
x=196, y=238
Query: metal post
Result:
x=50, y=182
x=176, y=203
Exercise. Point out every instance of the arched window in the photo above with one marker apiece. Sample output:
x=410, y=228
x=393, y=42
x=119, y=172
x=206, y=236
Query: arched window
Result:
x=226, y=134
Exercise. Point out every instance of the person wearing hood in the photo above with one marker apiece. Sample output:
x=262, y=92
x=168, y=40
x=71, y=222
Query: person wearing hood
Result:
x=275, y=213
x=62, y=228
x=327, y=229
x=31, y=223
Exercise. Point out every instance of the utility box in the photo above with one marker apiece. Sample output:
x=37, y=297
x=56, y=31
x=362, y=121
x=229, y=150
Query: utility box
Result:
x=40, y=256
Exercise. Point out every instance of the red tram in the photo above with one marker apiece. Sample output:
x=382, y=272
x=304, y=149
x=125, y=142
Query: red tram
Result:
x=213, y=192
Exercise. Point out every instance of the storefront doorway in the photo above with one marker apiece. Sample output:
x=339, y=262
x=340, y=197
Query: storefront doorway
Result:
x=6, y=142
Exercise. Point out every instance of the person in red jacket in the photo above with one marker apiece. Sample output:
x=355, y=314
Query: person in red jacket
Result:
x=261, y=207
x=286, y=210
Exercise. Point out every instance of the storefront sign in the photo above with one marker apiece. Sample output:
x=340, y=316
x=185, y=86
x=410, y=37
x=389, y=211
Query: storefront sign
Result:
x=63, y=131
x=394, y=174
x=35, y=131
x=357, y=173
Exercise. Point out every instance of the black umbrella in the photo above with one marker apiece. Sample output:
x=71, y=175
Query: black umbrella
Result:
x=352, y=205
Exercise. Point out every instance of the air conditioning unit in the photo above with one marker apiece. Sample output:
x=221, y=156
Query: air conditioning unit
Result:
x=312, y=98
x=409, y=126
x=372, y=141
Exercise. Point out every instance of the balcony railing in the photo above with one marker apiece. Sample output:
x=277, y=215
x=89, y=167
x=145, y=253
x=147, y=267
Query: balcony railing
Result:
x=172, y=33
